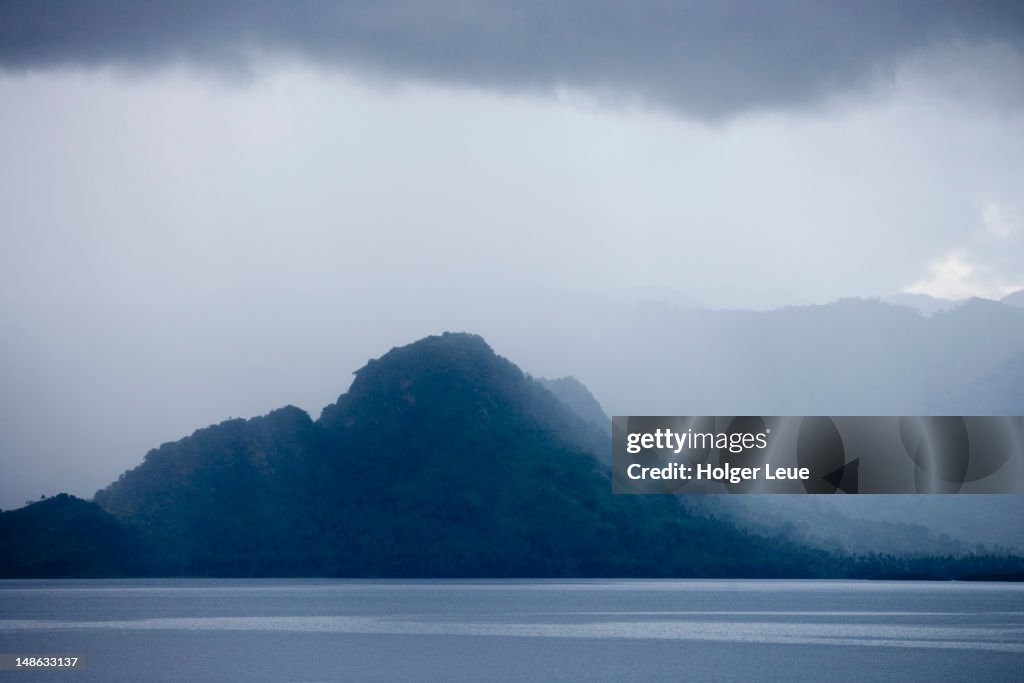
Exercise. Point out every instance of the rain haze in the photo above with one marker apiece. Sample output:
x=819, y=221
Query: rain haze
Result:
x=215, y=211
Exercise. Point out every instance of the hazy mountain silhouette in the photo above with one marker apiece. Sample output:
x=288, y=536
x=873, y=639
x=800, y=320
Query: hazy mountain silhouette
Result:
x=888, y=524
x=578, y=398
x=924, y=303
x=1014, y=299
x=850, y=357
x=442, y=460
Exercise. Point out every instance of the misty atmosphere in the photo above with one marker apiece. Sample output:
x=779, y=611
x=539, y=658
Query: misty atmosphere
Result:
x=315, y=316
x=213, y=214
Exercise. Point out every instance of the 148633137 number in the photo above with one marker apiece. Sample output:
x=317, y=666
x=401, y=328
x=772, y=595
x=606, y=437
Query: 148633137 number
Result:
x=45, y=662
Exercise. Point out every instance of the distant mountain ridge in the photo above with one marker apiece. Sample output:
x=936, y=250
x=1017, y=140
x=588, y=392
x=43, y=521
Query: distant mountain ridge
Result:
x=442, y=460
x=1014, y=299
x=849, y=357
x=924, y=303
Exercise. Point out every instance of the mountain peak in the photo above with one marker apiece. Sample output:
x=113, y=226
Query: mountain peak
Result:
x=445, y=344
x=448, y=364
x=1014, y=299
x=435, y=353
x=457, y=379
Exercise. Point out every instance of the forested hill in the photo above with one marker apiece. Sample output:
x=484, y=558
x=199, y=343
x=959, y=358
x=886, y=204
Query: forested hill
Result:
x=442, y=460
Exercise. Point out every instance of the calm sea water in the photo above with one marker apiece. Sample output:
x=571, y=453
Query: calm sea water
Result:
x=242, y=630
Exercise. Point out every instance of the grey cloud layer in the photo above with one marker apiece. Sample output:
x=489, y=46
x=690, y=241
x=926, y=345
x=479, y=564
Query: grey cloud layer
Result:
x=706, y=59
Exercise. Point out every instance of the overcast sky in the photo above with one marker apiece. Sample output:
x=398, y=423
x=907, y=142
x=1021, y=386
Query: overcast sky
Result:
x=214, y=211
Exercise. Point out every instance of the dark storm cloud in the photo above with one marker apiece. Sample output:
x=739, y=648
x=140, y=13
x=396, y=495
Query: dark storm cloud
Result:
x=703, y=58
